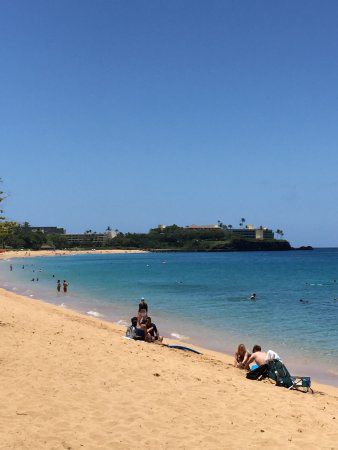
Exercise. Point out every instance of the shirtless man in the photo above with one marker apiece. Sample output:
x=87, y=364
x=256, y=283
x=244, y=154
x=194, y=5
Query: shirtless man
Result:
x=257, y=356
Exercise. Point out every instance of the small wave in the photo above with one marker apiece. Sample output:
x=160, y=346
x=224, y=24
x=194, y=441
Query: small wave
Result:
x=122, y=322
x=14, y=289
x=31, y=295
x=94, y=313
x=63, y=305
x=179, y=336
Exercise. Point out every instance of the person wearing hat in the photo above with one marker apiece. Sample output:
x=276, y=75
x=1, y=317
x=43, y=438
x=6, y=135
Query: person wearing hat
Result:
x=142, y=311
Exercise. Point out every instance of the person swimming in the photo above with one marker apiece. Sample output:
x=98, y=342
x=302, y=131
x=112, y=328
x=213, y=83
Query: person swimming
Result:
x=253, y=297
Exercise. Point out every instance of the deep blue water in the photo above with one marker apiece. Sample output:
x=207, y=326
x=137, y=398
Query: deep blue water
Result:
x=205, y=296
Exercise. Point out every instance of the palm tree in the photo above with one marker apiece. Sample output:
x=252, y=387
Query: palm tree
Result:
x=242, y=222
x=279, y=232
x=230, y=227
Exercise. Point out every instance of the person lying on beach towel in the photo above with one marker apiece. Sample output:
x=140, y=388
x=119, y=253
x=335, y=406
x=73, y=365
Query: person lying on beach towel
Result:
x=240, y=356
x=152, y=334
x=133, y=332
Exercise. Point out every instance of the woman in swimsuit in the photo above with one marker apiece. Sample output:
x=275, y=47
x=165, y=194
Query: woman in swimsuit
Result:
x=241, y=355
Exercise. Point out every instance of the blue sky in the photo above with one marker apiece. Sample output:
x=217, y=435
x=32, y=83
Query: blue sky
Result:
x=135, y=113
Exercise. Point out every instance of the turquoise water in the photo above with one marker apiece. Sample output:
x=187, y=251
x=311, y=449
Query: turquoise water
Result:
x=203, y=298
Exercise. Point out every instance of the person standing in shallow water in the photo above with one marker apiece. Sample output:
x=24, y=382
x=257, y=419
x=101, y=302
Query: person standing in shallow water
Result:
x=65, y=286
x=142, y=311
x=58, y=286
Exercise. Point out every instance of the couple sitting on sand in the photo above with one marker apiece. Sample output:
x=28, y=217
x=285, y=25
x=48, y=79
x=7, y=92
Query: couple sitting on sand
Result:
x=142, y=328
x=243, y=358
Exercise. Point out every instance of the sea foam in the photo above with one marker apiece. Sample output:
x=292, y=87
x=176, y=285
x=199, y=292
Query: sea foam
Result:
x=94, y=313
x=179, y=336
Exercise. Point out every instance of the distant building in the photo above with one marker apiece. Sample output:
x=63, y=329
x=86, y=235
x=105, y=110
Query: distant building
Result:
x=49, y=230
x=251, y=233
x=202, y=227
x=90, y=239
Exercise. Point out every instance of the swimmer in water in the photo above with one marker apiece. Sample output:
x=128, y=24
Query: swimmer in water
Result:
x=11, y=267
x=303, y=301
x=253, y=297
x=58, y=286
x=33, y=279
x=65, y=286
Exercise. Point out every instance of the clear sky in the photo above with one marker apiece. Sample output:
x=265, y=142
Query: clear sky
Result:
x=134, y=113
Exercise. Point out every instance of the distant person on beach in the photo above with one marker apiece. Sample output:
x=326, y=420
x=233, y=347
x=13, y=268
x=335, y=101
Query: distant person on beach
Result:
x=240, y=356
x=11, y=267
x=142, y=311
x=253, y=297
x=23, y=267
x=152, y=333
x=258, y=357
x=58, y=286
x=65, y=286
x=133, y=332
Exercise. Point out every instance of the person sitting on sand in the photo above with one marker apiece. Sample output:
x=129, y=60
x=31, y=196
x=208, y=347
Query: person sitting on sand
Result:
x=258, y=358
x=133, y=332
x=142, y=311
x=152, y=334
x=241, y=355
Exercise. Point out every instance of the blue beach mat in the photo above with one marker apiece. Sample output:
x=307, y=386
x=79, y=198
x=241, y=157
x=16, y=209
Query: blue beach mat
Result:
x=186, y=349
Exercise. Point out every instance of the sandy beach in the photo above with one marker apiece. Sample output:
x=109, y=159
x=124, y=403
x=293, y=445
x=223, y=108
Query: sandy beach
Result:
x=35, y=253
x=73, y=382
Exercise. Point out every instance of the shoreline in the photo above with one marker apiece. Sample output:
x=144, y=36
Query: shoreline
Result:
x=204, y=348
x=39, y=253
x=326, y=376
x=121, y=329
x=72, y=381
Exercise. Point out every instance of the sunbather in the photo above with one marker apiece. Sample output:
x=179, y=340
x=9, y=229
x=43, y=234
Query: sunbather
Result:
x=133, y=332
x=258, y=357
x=152, y=334
x=241, y=355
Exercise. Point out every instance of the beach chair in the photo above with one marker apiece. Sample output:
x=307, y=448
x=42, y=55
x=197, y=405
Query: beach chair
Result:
x=301, y=384
x=280, y=374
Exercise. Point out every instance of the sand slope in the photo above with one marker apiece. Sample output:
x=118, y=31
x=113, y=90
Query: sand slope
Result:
x=72, y=382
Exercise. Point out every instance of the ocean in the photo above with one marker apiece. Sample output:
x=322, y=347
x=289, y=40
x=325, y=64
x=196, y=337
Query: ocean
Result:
x=204, y=298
